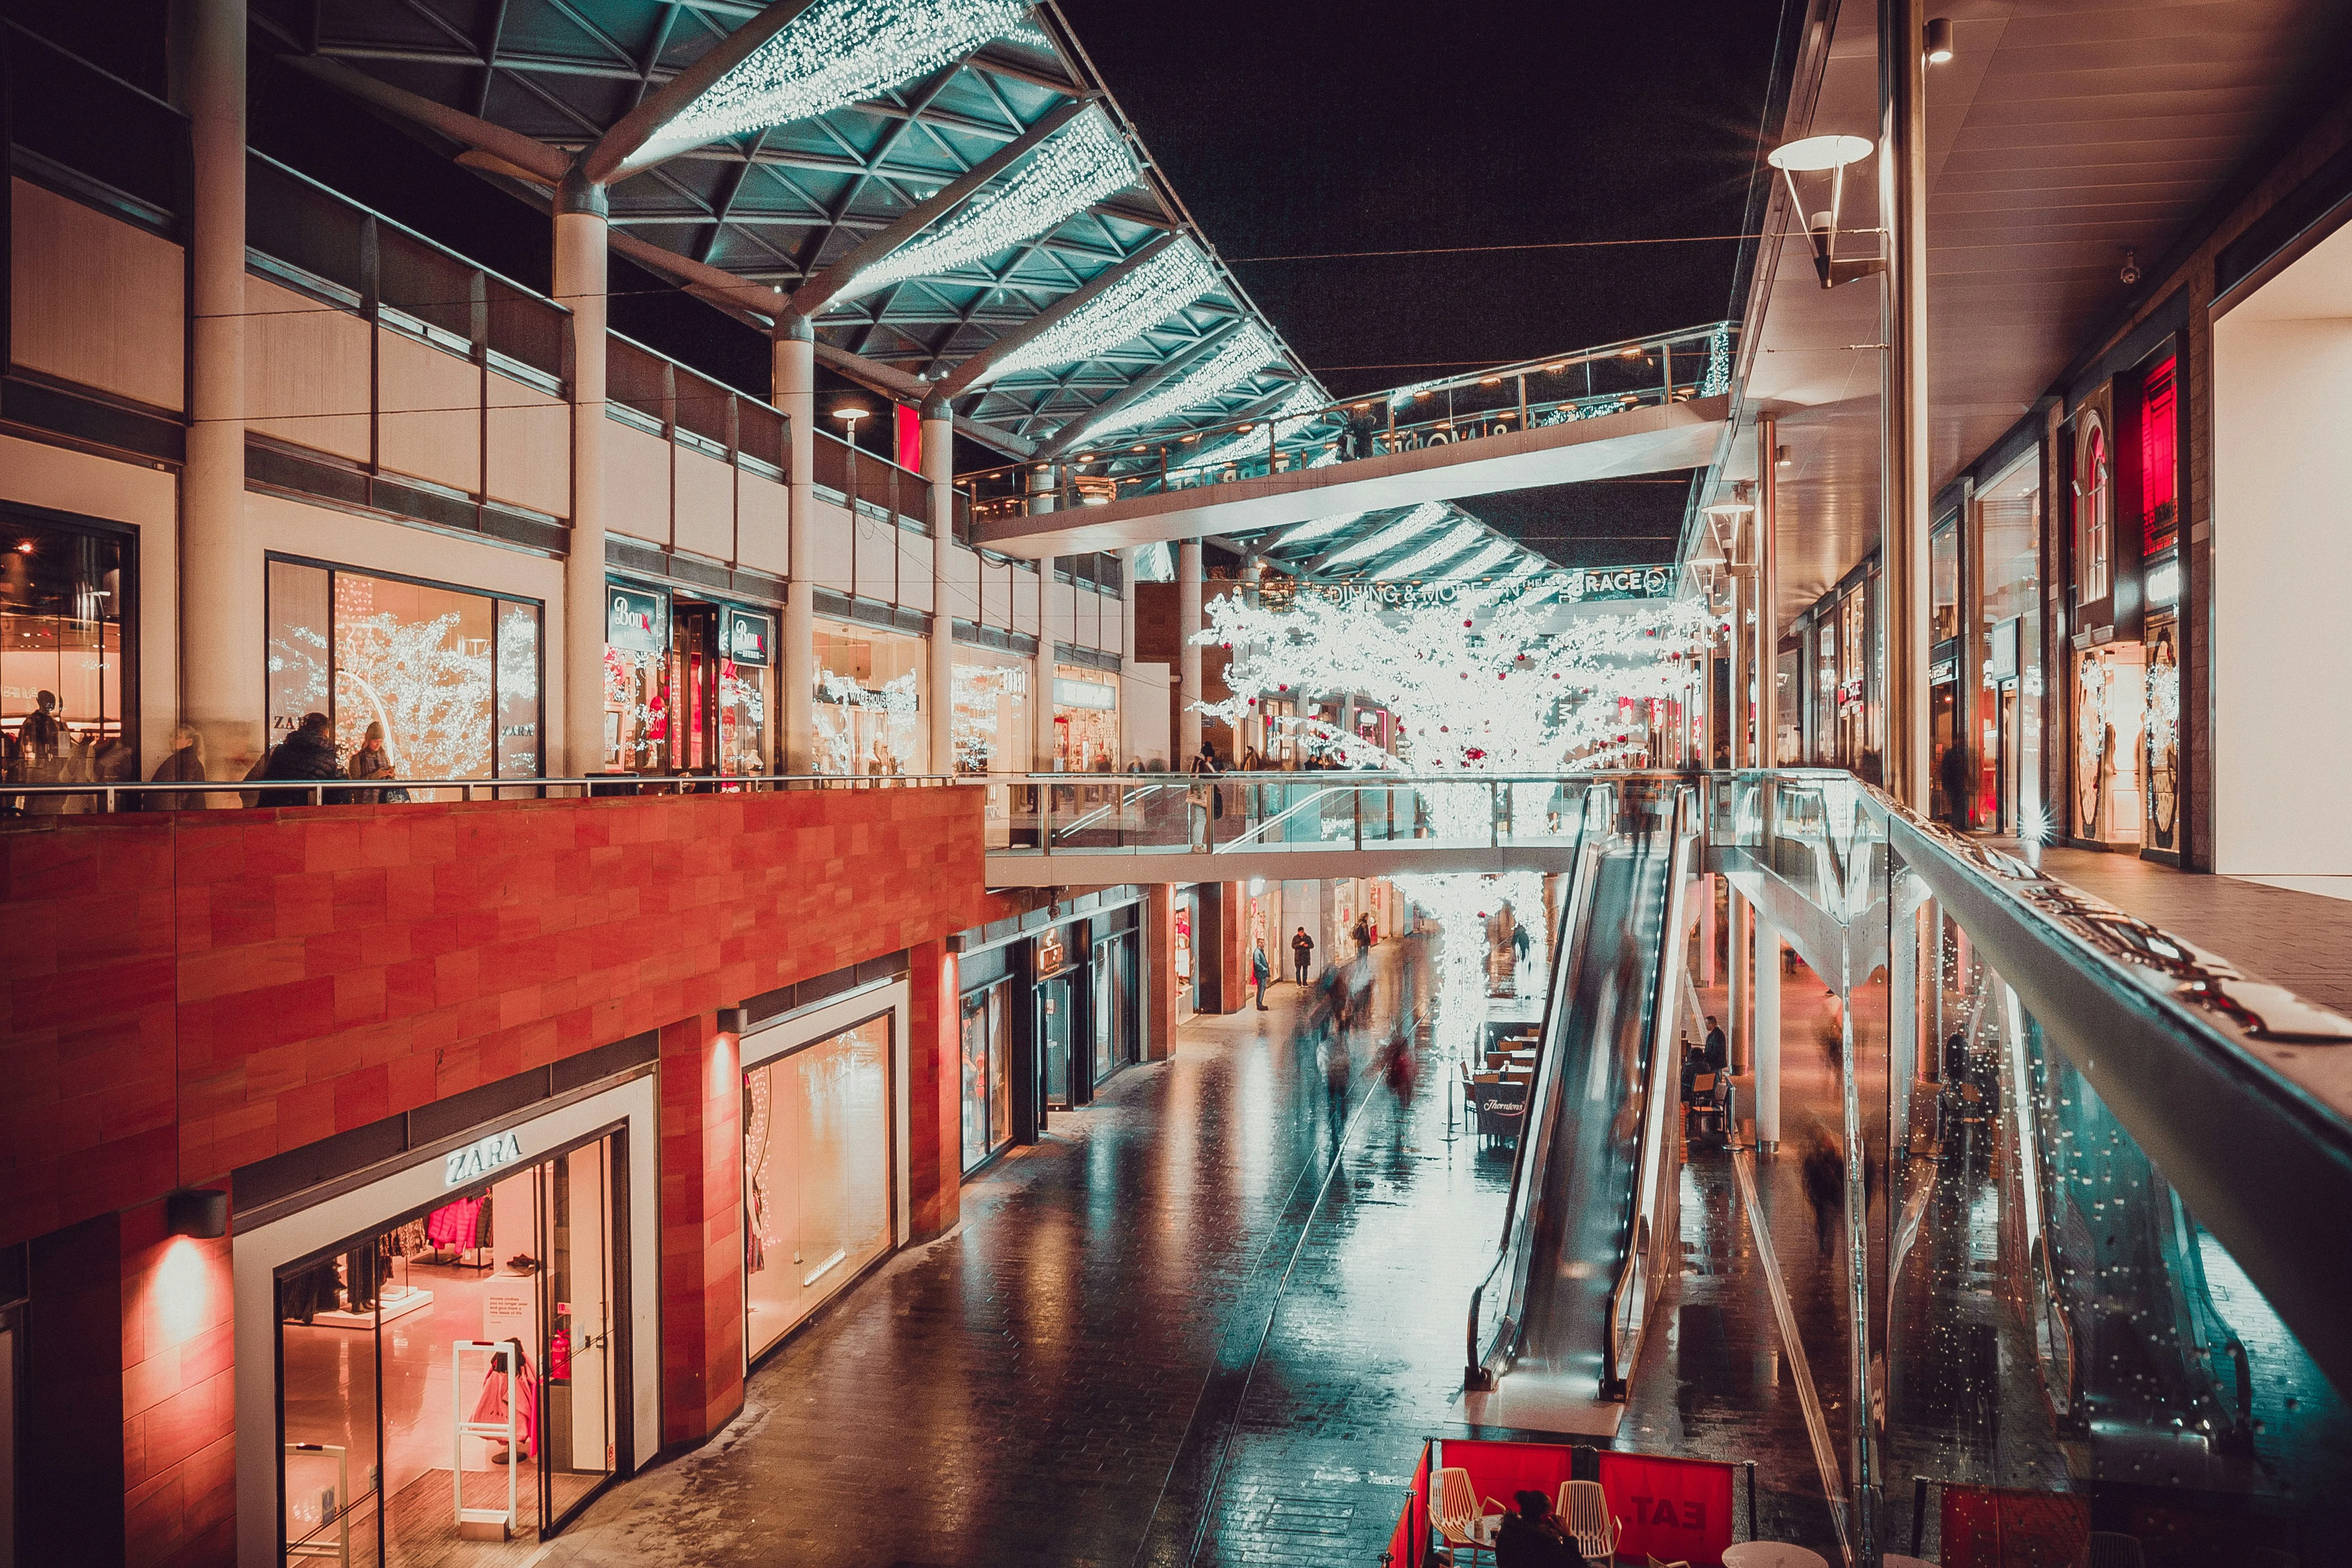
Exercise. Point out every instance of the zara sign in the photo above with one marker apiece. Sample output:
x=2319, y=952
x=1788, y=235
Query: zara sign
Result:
x=480, y=1158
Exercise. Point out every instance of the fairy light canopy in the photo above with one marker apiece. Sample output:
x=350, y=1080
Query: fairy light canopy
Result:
x=823, y=126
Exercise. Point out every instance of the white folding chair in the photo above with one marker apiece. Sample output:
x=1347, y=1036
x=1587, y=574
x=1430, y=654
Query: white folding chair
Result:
x=1584, y=1509
x=1460, y=1520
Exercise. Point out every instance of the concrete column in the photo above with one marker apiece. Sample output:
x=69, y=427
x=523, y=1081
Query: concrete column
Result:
x=934, y=1093
x=581, y=254
x=1903, y=468
x=1767, y=1032
x=939, y=468
x=792, y=377
x=1743, y=643
x=1768, y=598
x=1188, y=627
x=1707, y=929
x=224, y=687
x=1159, y=983
x=1743, y=1042
x=701, y=1199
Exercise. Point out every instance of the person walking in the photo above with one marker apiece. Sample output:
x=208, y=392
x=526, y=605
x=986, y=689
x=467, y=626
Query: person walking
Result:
x=373, y=761
x=1822, y=1172
x=1302, y=952
x=1261, y=972
x=185, y=764
x=1717, y=1047
x=1521, y=942
x=307, y=753
x=1361, y=932
x=1952, y=772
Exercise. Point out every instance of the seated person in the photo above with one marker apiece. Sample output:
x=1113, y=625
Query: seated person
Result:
x=1534, y=1537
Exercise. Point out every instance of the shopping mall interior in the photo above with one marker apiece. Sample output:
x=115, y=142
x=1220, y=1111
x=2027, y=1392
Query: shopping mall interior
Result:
x=905, y=783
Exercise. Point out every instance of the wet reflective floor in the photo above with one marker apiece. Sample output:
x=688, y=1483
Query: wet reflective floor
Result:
x=1179, y=1330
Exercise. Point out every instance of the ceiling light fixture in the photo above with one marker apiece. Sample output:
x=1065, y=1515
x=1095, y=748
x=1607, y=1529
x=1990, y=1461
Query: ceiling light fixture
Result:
x=834, y=53
x=1831, y=156
x=1068, y=172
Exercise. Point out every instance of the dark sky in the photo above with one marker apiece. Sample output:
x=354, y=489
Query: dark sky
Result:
x=1290, y=127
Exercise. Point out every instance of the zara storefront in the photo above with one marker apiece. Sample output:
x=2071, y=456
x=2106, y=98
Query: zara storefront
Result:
x=454, y=1341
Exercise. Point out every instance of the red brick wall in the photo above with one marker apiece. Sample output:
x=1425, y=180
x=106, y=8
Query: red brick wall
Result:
x=702, y=1229
x=934, y=1093
x=179, y=1461
x=1159, y=1007
x=181, y=995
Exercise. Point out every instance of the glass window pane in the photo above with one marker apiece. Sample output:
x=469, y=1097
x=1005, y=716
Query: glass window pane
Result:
x=816, y=1168
x=869, y=698
x=327, y=1348
x=999, y=1068
x=299, y=621
x=974, y=1038
x=518, y=676
x=416, y=660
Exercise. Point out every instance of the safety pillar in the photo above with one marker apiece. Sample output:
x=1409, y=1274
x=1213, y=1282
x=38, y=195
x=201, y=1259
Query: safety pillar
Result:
x=581, y=257
x=1767, y=1032
x=939, y=470
x=793, y=373
x=1188, y=628
x=224, y=692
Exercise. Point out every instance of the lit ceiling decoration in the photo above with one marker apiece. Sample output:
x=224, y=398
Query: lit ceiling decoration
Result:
x=1321, y=528
x=1494, y=550
x=1071, y=170
x=1413, y=524
x=1174, y=278
x=1522, y=572
x=1457, y=538
x=1235, y=360
x=833, y=54
x=1295, y=413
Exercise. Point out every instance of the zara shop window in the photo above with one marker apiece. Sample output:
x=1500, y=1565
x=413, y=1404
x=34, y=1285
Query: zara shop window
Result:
x=453, y=675
x=868, y=701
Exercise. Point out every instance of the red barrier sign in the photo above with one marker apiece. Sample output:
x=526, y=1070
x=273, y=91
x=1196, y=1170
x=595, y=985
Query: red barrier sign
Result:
x=1673, y=1510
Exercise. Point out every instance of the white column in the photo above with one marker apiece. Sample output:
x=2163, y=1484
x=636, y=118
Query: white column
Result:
x=1707, y=929
x=1904, y=447
x=1188, y=667
x=581, y=255
x=1743, y=1042
x=939, y=467
x=1043, y=479
x=1767, y=1032
x=793, y=373
x=1768, y=598
x=224, y=692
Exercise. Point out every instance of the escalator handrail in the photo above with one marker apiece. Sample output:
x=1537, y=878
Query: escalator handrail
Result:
x=1661, y=1022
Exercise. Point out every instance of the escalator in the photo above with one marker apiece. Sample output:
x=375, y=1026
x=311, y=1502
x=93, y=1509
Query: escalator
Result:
x=1555, y=1326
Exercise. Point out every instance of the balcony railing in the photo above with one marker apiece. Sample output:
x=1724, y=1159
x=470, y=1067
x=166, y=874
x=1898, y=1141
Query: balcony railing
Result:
x=40, y=800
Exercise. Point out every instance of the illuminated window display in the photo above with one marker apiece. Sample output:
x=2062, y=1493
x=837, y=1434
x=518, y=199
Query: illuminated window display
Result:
x=869, y=698
x=452, y=675
x=745, y=679
x=991, y=712
x=988, y=1047
x=816, y=1176
x=62, y=617
x=1086, y=721
x=636, y=679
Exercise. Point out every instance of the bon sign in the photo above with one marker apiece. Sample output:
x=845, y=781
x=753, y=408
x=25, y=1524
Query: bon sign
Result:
x=1672, y=1510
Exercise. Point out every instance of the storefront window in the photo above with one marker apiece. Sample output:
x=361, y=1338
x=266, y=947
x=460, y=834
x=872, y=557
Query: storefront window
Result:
x=992, y=713
x=2159, y=444
x=2110, y=701
x=448, y=1379
x=451, y=675
x=816, y=1176
x=62, y=614
x=987, y=1072
x=2161, y=751
x=1086, y=721
x=869, y=698
x=2094, y=516
x=636, y=679
x=2009, y=714
x=1114, y=1009
x=1944, y=579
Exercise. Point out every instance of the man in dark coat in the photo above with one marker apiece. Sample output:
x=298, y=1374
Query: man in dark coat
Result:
x=1717, y=1048
x=1302, y=952
x=307, y=753
x=1534, y=1537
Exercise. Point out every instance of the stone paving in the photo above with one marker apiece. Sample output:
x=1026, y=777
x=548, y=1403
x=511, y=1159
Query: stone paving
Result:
x=1177, y=1330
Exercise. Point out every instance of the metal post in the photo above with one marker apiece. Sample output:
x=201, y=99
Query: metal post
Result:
x=1523, y=400
x=1903, y=391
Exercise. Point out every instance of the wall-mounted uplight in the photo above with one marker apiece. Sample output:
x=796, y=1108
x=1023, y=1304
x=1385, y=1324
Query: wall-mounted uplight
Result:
x=1782, y=458
x=1824, y=160
x=1939, y=39
x=200, y=1212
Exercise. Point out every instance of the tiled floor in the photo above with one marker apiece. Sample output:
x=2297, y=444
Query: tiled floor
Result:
x=2302, y=940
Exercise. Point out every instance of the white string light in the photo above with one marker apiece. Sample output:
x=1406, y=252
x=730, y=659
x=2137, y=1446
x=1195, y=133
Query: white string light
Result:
x=1071, y=170
x=835, y=53
x=1413, y=524
x=1235, y=360
x=1494, y=550
x=1457, y=538
x=1321, y=528
x=1295, y=413
x=1146, y=297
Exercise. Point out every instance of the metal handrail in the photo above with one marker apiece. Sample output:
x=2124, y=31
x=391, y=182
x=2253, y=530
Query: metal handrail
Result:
x=112, y=796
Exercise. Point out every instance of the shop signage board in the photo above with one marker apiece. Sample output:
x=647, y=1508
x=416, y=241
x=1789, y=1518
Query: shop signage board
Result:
x=480, y=1158
x=2003, y=652
x=1068, y=693
x=637, y=620
x=1049, y=953
x=747, y=636
x=2164, y=584
x=1619, y=582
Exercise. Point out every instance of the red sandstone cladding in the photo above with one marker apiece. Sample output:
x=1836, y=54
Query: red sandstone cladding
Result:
x=181, y=994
